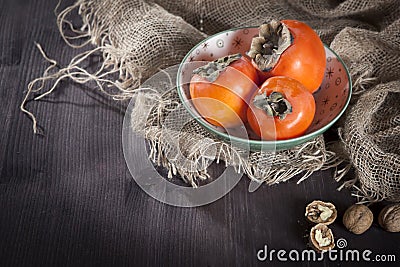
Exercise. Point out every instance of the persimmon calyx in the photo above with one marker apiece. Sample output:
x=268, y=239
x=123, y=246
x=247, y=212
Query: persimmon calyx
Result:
x=272, y=40
x=212, y=70
x=274, y=105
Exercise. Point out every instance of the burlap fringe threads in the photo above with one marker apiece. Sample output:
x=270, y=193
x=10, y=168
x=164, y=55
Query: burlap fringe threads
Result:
x=150, y=110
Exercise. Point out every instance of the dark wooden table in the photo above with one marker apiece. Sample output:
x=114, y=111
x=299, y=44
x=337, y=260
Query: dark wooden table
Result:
x=68, y=199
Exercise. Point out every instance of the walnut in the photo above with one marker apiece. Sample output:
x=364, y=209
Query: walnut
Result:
x=321, y=237
x=389, y=218
x=321, y=212
x=358, y=218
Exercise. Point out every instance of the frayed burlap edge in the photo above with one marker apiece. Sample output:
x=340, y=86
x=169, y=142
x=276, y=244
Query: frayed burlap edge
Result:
x=363, y=185
x=114, y=61
x=263, y=167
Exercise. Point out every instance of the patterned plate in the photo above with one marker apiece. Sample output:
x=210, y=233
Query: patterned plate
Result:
x=331, y=98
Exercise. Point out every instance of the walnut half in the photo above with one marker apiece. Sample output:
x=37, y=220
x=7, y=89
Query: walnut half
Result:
x=321, y=237
x=321, y=212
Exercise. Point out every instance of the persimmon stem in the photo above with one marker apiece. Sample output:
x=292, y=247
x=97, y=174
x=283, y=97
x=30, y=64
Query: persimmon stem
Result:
x=274, y=105
x=212, y=70
x=272, y=40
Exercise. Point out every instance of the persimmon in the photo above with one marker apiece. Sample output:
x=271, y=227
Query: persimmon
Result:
x=221, y=90
x=289, y=48
x=283, y=108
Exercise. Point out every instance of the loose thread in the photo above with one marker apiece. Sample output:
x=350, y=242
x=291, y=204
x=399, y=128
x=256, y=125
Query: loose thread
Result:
x=31, y=89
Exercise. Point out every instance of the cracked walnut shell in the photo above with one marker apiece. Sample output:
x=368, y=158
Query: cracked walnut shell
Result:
x=389, y=218
x=321, y=212
x=358, y=218
x=321, y=237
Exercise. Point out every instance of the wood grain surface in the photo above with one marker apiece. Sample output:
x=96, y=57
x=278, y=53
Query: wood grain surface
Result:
x=68, y=199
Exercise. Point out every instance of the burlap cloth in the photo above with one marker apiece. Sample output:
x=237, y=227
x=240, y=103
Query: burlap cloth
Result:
x=138, y=38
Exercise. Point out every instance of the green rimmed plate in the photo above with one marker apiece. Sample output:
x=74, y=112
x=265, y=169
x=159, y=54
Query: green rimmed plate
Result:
x=332, y=98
